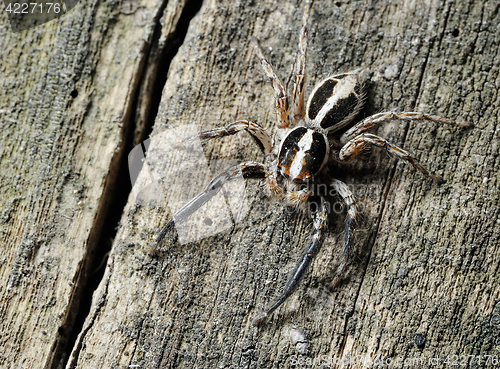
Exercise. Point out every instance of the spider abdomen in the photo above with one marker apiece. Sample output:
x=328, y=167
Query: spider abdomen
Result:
x=303, y=153
x=335, y=101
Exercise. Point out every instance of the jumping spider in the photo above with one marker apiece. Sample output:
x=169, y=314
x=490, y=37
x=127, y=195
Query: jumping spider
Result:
x=305, y=155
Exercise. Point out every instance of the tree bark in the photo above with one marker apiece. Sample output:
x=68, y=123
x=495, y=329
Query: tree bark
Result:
x=422, y=285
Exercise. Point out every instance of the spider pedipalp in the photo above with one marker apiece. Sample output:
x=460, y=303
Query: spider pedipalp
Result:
x=305, y=156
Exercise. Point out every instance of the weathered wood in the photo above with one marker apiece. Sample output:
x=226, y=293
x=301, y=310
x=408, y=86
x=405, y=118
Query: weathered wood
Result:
x=427, y=255
x=66, y=93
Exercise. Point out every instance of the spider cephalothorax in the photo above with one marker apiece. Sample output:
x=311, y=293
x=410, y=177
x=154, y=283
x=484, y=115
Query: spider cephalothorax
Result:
x=303, y=155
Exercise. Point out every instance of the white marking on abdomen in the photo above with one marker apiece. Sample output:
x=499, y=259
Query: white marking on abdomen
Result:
x=304, y=144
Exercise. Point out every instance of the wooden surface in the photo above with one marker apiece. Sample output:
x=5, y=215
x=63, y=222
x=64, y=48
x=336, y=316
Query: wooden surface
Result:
x=426, y=257
x=66, y=92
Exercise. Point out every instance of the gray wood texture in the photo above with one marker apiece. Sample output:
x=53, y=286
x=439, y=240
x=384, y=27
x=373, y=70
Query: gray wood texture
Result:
x=426, y=258
x=66, y=92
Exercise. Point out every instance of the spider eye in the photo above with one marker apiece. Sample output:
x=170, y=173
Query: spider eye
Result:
x=335, y=101
x=302, y=154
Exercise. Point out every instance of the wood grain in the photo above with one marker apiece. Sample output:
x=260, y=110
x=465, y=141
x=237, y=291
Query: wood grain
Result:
x=427, y=256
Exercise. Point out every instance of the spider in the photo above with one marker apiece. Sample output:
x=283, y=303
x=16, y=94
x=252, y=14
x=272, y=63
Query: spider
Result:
x=306, y=150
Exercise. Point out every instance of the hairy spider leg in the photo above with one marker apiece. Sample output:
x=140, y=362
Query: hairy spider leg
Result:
x=258, y=133
x=248, y=170
x=282, y=106
x=350, y=223
x=261, y=137
x=300, y=67
x=355, y=146
x=320, y=227
x=375, y=119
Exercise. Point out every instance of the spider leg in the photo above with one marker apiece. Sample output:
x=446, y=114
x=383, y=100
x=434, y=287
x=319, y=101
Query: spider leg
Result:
x=282, y=107
x=320, y=226
x=248, y=170
x=353, y=147
x=272, y=184
x=375, y=119
x=258, y=133
x=350, y=223
x=300, y=67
